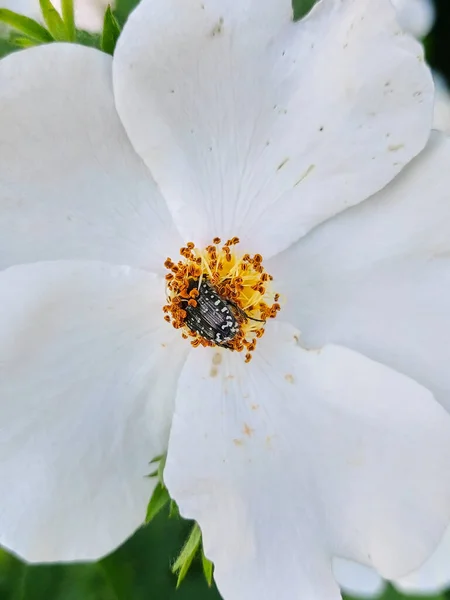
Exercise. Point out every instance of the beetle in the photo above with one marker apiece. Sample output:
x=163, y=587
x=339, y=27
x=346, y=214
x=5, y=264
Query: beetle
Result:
x=213, y=317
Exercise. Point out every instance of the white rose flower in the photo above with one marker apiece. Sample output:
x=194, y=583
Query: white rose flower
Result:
x=219, y=118
x=88, y=13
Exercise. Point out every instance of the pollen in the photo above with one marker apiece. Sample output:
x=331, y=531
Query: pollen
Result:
x=218, y=296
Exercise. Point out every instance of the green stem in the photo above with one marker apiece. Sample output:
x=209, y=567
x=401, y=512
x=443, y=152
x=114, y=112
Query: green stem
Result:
x=68, y=15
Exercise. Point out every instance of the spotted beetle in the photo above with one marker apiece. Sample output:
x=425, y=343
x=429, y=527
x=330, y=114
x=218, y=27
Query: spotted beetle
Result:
x=212, y=317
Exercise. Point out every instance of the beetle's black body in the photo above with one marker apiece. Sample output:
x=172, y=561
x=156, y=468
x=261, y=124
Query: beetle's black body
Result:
x=213, y=317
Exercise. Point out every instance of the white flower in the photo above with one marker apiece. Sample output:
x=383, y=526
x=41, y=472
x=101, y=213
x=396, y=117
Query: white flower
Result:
x=415, y=16
x=329, y=442
x=88, y=13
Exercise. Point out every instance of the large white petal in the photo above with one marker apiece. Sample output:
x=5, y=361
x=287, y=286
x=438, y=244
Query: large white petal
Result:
x=357, y=580
x=256, y=126
x=71, y=185
x=301, y=455
x=434, y=576
x=377, y=277
x=88, y=372
x=415, y=16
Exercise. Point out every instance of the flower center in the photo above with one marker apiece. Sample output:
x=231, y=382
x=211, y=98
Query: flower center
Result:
x=218, y=297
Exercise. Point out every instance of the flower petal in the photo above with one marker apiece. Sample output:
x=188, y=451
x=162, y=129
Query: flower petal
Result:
x=302, y=455
x=377, y=277
x=357, y=580
x=256, y=126
x=87, y=385
x=71, y=185
x=415, y=16
x=434, y=576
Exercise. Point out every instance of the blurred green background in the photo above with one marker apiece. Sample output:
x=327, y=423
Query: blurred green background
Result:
x=141, y=568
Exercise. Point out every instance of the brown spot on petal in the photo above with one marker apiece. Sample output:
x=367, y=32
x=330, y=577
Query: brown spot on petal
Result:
x=217, y=358
x=248, y=430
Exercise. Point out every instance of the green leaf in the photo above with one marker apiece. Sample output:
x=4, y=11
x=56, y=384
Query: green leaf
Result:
x=159, y=499
x=208, y=569
x=187, y=554
x=111, y=32
x=174, y=511
x=53, y=20
x=25, y=42
x=26, y=25
x=156, y=459
x=122, y=8
x=85, y=38
x=6, y=47
x=159, y=472
x=301, y=8
x=68, y=15
x=161, y=466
